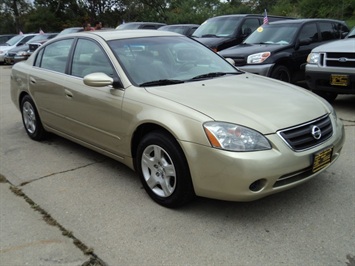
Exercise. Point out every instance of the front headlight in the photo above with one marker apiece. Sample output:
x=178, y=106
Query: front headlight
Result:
x=313, y=58
x=22, y=53
x=258, y=58
x=234, y=137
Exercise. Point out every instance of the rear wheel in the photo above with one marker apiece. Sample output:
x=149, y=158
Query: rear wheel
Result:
x=31, y=120
x=163, y=170
x=281, y=73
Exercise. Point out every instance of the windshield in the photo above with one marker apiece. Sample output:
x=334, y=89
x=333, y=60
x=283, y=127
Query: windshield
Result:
x=273, y=34
x=14, y=40
x=351, y=34
x=218, y=27
x=169, y=60
x=177, y=29
x=128, y=26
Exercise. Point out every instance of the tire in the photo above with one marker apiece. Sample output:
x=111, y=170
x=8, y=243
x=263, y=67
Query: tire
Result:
x=281, y=73
x=163, y=170
x=329, y=96
x=31, y=120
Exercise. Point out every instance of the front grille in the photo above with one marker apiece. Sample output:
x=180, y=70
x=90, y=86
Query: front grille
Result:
x=239, y=61
x=300, y=138
x=33, y=47
x=339, y=60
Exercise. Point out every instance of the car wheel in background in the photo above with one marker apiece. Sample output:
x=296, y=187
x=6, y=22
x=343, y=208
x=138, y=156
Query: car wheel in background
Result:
x=329, y=96
x=163, y=170
x=281, y=73
x=31, y=120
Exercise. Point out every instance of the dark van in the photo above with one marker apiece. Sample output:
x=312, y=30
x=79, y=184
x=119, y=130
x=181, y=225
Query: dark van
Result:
x=279, y=50
x=223, y=32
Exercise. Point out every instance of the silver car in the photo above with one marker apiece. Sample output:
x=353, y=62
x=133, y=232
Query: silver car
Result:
x=187, y=121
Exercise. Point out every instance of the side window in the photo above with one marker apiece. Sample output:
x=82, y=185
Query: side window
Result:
x=26, y=39
x=250, y=25
x=89, y=58
x=309, y=32
x=328, y=31
x=55, y=55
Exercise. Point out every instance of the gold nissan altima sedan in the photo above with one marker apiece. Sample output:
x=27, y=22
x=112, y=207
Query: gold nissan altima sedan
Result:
x=186, y=120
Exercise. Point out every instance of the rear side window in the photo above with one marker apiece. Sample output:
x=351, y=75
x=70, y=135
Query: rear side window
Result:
x=309, y=32
x=250, y=25
x=55, y=56
x=329, y=31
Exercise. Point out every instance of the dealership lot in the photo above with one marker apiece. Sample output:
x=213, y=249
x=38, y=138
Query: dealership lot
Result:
x=102, y=204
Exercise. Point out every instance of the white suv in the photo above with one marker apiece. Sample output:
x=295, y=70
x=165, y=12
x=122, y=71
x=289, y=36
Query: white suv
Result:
x=14, y=42
x=330, y=68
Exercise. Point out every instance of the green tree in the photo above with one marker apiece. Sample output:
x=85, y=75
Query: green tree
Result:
x=13, y=12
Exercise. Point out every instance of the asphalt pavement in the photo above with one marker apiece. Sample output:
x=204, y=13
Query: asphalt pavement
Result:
x=62, y=204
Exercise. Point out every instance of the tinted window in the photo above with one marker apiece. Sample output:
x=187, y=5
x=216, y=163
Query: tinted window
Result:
x=218, y=27
x=55, y=55
x=328, y=31
x=250, y=25
x=273, y=34
x=89, y=58
x=309, y=32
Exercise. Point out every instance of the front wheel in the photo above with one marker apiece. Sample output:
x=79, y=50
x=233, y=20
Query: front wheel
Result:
x=31, y=120
x=163, y=170
x=281, y=73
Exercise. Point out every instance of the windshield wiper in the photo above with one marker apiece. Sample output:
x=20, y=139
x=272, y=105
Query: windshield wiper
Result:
x=209, y=35
x=214, y=75
x=161, y=82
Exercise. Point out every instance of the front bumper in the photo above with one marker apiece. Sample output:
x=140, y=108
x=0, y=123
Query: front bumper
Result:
x=14, y=59
x=264, y=70
x=247, y=176
x=318, y=79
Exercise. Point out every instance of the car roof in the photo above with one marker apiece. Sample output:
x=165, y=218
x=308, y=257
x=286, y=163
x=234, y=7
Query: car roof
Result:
x=246, y=15
x=144, y=23
x=126, y=34
x=304, y=20
x=179, y=25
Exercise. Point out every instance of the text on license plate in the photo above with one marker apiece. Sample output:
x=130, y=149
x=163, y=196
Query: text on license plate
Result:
x=322, y=159
x=339, y=80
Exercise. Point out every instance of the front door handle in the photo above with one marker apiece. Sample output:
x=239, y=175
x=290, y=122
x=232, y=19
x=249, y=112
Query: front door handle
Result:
x=68, y=94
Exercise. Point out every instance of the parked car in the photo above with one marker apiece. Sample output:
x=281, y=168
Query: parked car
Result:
x=184, y=29
x=71, y=30
x=280, y=49
x=23, y=52
x=140, y=25
x=330, y=68
x=5, y=37
x=176, y=112
x=351, y=34
x=222, y=32
x=15, y=41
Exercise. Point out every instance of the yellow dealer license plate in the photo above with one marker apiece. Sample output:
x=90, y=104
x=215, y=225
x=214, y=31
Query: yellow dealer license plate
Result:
x=322, y=159
x=339, y=80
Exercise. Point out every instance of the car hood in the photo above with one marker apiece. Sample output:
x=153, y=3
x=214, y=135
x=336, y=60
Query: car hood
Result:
x=344, y=45
x=248, y=49
x=211, y=42
x=254, y=101
x=24, y=47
